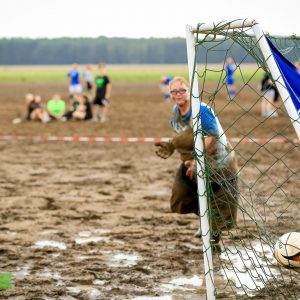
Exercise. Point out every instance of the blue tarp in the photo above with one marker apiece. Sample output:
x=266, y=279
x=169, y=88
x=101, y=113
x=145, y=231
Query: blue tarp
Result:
x=290, y=75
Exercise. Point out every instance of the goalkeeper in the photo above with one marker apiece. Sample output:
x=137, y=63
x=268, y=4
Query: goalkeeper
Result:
x=220, y=163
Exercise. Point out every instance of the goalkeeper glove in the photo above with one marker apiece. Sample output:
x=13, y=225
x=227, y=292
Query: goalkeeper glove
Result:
x=164, y=149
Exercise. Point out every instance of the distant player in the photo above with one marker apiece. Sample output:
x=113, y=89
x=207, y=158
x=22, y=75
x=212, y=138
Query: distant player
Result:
x=102, y=95
x=88, y=78
x=230, y=67
x=269, y=98
x=75, y=86
x=220, y=160
x=164, y=87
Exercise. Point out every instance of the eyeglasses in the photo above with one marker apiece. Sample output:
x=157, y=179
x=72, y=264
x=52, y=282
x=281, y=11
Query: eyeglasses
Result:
x=176, y=92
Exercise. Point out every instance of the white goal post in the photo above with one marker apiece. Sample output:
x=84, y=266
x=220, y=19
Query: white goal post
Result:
x=198, y=139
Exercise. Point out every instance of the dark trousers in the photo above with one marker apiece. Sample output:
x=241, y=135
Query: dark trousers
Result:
x=222, y=199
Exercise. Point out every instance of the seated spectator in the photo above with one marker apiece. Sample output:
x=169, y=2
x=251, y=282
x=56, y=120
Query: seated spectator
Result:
x=35, y=110
x=56, y=107
x=82, y=111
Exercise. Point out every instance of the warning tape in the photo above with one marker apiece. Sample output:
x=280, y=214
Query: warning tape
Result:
x=134, y=139
x=84, y=139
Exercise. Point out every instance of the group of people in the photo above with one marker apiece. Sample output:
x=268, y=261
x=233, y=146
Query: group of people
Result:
x=56, y=108
x=91, y=105
x=98, y=88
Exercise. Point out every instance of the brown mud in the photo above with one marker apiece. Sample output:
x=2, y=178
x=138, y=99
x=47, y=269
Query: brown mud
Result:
x=83, y=220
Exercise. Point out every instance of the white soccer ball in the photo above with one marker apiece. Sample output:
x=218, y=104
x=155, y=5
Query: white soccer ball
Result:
x=287, y=250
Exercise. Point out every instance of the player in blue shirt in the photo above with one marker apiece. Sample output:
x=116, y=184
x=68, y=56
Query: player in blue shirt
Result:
x=230, y=67
x=164, y=87
x=220, y=163
x=74, y=85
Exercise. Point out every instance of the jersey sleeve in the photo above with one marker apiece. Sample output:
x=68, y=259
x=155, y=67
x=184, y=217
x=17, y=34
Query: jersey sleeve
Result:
x=208, y=121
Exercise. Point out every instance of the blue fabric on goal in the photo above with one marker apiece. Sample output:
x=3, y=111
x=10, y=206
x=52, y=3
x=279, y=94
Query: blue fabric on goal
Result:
x=290, y=75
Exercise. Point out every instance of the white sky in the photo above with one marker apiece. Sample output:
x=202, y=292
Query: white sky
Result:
x=138, y=18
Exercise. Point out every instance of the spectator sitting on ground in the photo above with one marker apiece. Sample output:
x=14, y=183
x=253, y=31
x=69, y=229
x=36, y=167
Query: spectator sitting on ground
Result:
x=56, y=107
x=35, y=110
x=269, y=98
x=82, y=111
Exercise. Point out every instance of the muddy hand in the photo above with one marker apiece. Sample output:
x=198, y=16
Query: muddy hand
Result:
x=164, y=149
x=191, y=169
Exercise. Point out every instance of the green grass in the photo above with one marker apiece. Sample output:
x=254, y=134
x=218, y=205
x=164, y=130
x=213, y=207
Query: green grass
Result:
x=5, y=281
x=115, y=72
x=119, y=73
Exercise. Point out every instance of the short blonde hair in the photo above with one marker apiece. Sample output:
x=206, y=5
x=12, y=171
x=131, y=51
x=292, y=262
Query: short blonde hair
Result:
x=180, y=79
x=28, y=98
x=37, y=98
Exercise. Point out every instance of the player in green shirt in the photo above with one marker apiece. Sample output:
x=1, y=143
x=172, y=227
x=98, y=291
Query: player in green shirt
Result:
x=56, y=107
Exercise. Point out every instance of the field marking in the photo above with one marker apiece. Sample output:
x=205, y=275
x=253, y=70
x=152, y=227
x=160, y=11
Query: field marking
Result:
x=40, y=138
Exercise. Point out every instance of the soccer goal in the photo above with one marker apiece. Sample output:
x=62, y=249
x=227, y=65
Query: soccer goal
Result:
x=264, y=131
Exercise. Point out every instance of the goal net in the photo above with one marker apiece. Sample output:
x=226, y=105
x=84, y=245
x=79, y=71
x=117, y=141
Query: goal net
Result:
x=263, y=133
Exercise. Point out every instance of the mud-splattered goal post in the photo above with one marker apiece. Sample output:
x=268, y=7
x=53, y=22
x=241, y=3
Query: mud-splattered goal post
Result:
x=269, y=174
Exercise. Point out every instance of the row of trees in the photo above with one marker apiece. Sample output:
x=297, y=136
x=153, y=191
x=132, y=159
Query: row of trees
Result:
x=19, y=51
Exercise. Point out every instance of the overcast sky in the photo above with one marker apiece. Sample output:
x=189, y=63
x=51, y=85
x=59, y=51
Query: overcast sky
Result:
x=138, y=18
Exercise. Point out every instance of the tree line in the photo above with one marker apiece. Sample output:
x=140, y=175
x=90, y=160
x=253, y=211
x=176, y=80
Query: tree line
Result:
x=24, y=51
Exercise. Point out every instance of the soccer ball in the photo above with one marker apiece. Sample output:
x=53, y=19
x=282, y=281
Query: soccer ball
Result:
x=287, y=250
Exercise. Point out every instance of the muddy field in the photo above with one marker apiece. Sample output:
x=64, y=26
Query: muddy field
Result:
x=92, y=220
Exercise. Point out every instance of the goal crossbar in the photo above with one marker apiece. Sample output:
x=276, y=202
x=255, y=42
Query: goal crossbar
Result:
x=205, y=28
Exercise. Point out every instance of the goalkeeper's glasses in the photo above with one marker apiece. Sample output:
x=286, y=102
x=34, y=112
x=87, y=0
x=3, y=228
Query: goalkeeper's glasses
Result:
x=176, y=92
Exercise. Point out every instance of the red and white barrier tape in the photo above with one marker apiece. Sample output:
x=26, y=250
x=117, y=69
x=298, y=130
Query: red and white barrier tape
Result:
x=85, y=139
x=133, y=139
